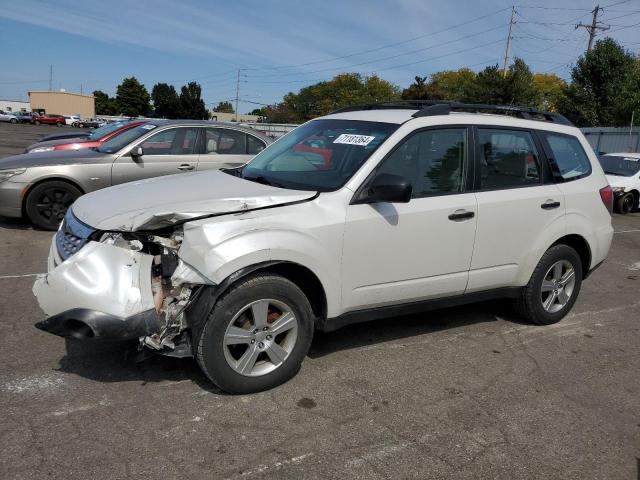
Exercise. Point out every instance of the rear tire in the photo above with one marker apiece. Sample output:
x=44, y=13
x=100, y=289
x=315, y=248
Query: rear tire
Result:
x=625, y=203
x=58, y=124
x=13, y=120
x=553, y=288
x=37, y=122
x=48, y=202
x=81, y=125
x=242, y=352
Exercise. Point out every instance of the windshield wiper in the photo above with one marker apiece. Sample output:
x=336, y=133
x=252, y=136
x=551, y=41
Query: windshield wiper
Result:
x=264, y=181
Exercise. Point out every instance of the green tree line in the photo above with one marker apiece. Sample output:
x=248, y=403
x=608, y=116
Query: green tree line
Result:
x=132, y=100
x=604, y=90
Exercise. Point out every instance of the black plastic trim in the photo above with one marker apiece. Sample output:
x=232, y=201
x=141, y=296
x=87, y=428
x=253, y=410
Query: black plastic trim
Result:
x=82, y=323
x=377, y=313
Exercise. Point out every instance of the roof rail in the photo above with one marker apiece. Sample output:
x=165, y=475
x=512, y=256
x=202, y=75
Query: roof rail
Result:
x=527, y=113
x=396, y=104
x=427, y=108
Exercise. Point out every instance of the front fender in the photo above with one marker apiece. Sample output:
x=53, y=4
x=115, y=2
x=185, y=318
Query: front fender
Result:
x=217, y=258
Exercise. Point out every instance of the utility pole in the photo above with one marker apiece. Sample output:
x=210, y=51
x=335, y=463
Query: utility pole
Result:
x=50, y=77
x=509, y=38
x=594, y=27
x=237, y=92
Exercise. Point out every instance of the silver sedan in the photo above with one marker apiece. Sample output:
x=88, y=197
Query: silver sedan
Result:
x=43, y=185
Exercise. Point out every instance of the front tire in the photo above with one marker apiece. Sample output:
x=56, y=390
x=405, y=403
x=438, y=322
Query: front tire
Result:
x=48, y=202
x=625, y=203
x=37, y=122
x=553, y=288
x=13, y=120
x=58, y=124
x=256, y=335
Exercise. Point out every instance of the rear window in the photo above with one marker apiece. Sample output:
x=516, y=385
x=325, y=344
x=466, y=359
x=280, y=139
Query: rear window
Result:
x=619, y=165
x=568, y=159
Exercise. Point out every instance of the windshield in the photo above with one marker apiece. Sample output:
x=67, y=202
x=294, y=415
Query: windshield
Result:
x=320, y=155
x=105, y=130
x=619, y=165
x=125, y=138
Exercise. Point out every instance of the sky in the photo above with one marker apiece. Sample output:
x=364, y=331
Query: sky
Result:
x=280, y=46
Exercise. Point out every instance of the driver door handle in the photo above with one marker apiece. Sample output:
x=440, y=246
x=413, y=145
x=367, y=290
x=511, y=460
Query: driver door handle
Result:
x=186, y=166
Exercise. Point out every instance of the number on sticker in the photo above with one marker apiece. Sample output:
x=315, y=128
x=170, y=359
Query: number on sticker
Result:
x=349, y=139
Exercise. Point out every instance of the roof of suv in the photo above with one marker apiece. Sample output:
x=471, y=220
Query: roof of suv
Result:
x=400, y=112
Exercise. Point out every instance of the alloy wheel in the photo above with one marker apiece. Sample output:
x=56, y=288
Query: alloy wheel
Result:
x=52, y=205
x=260, y=337
x=557, y=286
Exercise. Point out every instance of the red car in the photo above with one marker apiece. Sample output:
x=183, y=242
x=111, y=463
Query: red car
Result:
x=95, y=139
x=57, y=120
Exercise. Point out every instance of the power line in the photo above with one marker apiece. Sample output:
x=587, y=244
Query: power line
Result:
x=390, y=45
x=345, y=67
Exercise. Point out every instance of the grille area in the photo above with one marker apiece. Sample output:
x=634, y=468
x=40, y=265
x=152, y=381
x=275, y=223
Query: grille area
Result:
x=72, y=236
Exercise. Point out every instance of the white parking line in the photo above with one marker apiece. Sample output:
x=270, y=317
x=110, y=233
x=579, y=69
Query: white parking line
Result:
x=21, y=276
x=627, y=231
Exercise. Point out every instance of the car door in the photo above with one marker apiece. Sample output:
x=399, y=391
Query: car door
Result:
x=227, y=147
x=169, y=151
x=405, y=252
x=518, y=204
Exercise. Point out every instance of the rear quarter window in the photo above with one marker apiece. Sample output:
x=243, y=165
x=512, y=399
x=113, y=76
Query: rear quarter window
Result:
x=567, y=158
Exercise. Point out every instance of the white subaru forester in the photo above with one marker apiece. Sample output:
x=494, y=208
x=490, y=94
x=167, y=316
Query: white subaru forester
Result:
x=366, y=213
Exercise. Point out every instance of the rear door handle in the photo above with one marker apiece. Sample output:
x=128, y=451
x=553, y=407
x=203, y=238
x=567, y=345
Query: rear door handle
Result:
x=186, y=166
x=461, y=215
x=549, y=205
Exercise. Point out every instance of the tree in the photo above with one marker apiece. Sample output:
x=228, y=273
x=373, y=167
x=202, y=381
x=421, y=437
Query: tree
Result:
x=191, y=103
x=132, y=98
x=628, y=97
x=105, y=105
x=418, y=90
x=453, y=85
x=323, y=97
x=597, y=81
x=166, y=103
x=224, y=107
x=549, y=91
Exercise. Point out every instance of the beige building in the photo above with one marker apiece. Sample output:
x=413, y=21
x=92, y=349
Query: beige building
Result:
x=231, y=117
x=62, y=103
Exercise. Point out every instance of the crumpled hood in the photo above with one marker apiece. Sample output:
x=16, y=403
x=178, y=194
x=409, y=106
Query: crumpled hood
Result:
x=163, y=201
x=56, y=157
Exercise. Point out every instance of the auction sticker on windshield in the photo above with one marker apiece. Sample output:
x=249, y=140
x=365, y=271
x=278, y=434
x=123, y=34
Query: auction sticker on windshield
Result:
x=349, y=139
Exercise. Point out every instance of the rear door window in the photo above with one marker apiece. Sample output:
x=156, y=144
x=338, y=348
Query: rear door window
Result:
x=507, y=159
x=568, y=159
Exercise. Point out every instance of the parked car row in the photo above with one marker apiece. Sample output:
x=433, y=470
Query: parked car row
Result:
x=51, y=119
x=46, y=180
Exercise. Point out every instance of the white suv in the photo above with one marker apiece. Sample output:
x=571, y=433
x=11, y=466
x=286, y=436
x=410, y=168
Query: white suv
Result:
x=623, y=173
x=366, y=213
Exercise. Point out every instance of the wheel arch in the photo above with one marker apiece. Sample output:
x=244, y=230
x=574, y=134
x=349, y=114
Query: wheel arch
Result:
x=303, y=277
x=30, y=188
x=581, y=246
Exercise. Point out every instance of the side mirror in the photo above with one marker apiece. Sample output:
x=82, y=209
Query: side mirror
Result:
x=386, y=187
x=136, y=152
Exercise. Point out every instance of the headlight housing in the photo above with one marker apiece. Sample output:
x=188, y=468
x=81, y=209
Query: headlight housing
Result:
x=618, y=189
x=7, y=174
x=41, y=149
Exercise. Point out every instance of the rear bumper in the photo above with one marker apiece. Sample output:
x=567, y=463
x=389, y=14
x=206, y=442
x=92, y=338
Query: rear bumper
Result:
x=82, y=323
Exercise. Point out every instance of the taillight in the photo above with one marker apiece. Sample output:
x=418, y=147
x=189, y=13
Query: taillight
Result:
x=606, y=194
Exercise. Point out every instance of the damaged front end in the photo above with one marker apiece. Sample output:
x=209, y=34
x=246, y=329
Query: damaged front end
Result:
x=118, y=285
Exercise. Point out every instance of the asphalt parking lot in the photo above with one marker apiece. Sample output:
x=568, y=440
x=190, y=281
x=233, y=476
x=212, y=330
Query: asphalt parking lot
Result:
x=470, y=392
